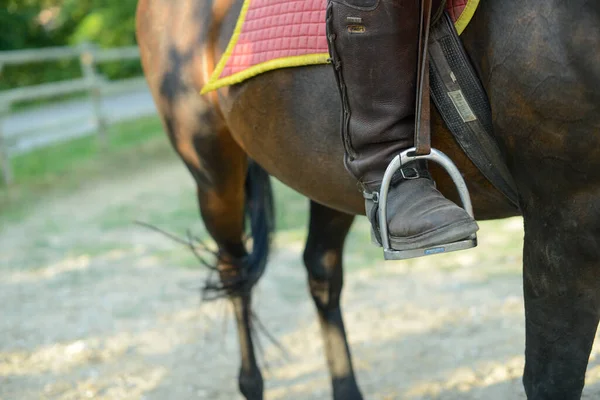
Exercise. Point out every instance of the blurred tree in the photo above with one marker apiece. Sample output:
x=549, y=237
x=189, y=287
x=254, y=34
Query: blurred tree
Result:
x=20, y=26
x=42, y=23
x=109, y=23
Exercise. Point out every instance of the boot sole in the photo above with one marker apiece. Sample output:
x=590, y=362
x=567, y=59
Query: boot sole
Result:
x=447, y=234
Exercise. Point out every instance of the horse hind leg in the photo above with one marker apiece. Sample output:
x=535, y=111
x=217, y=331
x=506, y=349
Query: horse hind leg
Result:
x=323, y=261
x=229, y=190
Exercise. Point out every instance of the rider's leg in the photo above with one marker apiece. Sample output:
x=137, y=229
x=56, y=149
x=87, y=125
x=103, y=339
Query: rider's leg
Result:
x=373, y=46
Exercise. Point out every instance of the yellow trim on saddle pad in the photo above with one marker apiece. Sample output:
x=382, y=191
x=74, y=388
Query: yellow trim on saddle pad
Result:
x=276, y=63
x=293, y=61
x=466, y=16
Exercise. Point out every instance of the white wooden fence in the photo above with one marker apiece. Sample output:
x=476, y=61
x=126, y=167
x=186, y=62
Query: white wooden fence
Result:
x=91, y=82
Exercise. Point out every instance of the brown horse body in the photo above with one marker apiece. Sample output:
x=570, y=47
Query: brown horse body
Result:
x=539, y=66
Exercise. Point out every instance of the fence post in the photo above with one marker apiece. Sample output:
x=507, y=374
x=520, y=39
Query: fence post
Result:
x=88, y=67
x=7, y=173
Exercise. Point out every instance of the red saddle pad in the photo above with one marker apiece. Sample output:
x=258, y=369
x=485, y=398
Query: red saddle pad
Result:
x=272, y=34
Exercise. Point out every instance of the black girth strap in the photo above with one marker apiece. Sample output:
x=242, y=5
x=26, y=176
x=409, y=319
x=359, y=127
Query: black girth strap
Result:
x=464, y=106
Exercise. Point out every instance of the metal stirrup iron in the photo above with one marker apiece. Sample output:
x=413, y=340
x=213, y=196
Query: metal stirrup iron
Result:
x=423, y=151
x=440, y=158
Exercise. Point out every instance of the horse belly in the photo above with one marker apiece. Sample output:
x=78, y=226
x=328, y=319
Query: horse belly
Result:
x=288, y=121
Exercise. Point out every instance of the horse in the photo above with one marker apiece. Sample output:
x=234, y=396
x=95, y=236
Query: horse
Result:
x=538, y=62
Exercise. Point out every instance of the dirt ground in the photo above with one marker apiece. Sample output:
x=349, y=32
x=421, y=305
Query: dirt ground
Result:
x=95, y=307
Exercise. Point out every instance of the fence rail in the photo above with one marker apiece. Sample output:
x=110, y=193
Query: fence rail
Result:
x=91, y=82
x=18, y=57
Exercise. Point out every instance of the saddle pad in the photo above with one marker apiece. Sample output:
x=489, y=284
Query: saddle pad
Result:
x=272, y=34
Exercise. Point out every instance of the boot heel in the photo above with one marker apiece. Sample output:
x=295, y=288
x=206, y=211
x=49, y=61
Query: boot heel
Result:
x=369, y=211
x=374, y=238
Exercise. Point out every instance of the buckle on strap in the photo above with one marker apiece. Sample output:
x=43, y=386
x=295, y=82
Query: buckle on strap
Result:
x=413, y=175
x=373, y=196
x=407, y=173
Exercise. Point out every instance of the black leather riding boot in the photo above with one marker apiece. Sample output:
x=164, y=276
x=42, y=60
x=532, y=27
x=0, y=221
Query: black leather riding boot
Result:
x=373, y=46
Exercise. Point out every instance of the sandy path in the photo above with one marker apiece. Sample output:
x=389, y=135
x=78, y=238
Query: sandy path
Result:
x=92, y=307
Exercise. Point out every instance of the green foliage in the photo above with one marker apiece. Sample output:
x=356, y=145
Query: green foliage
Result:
x=19, y=28
x=43, y=23
x=109, y=23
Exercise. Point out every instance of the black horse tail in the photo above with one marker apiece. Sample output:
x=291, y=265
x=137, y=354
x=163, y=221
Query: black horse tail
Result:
x=260, y=213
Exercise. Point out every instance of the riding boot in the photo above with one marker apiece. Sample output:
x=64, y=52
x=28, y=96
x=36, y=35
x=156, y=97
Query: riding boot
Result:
x=373, y=46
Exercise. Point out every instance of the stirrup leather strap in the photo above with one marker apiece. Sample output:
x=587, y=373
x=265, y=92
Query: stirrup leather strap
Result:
x=423, y=104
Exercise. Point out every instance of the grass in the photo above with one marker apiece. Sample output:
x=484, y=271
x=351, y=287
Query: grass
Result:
x=136, y=145
x=132, y=145
x=68, y=165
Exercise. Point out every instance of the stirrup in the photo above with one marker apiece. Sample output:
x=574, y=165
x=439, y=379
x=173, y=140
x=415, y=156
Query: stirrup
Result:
x=440, y=158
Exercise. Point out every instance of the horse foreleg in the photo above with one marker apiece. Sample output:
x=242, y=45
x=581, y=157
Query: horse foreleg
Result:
x=323, y=260
x=562, y=292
